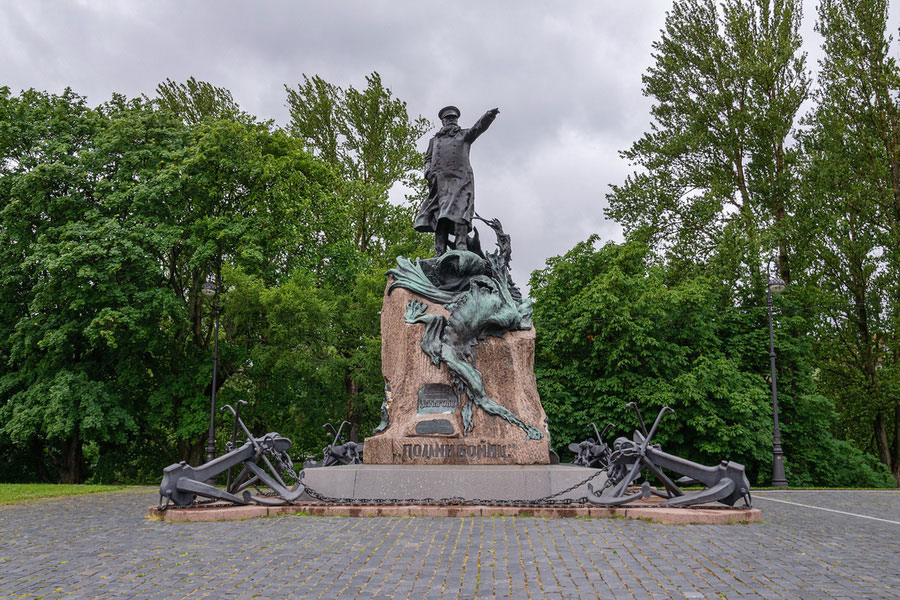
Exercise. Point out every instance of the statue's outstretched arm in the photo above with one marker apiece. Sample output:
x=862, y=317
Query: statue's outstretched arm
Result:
x=481, y=125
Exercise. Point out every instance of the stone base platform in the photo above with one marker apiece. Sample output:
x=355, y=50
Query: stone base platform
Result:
x=484, y=483
x=667, y=516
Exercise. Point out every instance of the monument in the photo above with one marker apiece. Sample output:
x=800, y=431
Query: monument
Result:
x=461, y=419
x=457, y=338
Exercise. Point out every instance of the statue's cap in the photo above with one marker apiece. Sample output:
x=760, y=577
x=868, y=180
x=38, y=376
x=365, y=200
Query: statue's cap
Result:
x=447, y=110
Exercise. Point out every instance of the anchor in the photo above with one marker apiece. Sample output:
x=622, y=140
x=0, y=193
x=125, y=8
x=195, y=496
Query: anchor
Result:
x=725, y=483
x=338, y=452
x=592, y=450
x=182, y=483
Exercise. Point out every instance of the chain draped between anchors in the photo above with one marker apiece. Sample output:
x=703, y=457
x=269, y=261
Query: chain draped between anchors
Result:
x=623, y=464
x=458, y=501
x=546, y=501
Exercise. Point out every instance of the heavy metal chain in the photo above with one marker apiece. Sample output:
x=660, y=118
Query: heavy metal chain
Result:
x=549, y=500
x=608, y=483
x=286, y=466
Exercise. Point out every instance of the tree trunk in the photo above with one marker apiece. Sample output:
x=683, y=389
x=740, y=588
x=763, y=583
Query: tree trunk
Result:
x=780, y=213
x=352, y=409
x=884, y=447
x=191, y=451
x=36, y=451
x=71, y=468
x=895, y=470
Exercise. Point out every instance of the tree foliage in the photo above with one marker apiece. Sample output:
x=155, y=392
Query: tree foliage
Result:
x=369, y=138
x=849, y=222
x=613, y=327
x=194, y=101
x=716, y=169
x=727, y=179
x=112, y=217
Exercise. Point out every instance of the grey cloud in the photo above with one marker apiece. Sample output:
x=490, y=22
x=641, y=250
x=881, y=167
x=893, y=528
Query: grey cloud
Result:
x=566, y=76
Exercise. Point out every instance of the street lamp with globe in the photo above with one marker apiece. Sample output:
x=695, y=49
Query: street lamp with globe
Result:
x=210, y=289
x=775, y=285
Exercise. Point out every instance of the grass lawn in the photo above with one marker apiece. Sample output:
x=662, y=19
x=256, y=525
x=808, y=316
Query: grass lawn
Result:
x=16, y=492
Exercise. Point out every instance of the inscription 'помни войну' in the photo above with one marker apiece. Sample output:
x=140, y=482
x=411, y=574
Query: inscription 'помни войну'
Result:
x=439, y=451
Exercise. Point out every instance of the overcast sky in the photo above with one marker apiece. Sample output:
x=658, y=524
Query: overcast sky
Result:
x=566, y=77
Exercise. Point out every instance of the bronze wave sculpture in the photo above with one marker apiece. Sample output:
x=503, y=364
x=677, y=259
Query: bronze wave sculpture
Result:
x=482, y=300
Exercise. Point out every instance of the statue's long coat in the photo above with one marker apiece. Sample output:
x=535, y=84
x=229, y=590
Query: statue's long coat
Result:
x=451, y=185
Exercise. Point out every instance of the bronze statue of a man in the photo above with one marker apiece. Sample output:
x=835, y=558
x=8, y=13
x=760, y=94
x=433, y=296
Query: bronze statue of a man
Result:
x=450, y=205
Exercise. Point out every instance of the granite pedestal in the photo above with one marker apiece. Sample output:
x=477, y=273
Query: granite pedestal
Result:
x=424, y=423
x=484, y=482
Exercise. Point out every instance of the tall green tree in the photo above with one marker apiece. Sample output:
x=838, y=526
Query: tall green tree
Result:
x=851, y=229
x=112, y=220
x=70, y=272
x=715, y=173
x=239, y=194
x=369, y=138
x=717, y=186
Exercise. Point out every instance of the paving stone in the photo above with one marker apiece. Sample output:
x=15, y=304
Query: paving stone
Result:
x=103, y=546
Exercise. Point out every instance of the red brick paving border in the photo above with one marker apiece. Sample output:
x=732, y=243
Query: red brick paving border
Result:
x=668, y=516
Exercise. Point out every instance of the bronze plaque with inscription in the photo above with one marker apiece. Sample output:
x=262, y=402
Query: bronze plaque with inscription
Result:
x=437, y=398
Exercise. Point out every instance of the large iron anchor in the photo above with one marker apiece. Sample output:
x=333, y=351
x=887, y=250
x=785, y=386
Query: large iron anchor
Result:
x=592, y=450
x=182, y=483
x=725, y=483
x=338, y=452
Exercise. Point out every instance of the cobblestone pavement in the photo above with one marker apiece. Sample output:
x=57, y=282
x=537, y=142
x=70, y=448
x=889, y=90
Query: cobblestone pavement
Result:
x=102, y=546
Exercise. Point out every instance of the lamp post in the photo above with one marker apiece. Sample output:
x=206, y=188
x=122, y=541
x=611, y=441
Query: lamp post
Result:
x=211, y=290
x=775, y=285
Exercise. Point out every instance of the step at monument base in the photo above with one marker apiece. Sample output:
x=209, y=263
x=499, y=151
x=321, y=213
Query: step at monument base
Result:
x=482, y=482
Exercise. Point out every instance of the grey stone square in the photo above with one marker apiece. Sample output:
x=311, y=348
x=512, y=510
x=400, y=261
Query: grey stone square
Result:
x=102, y=546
